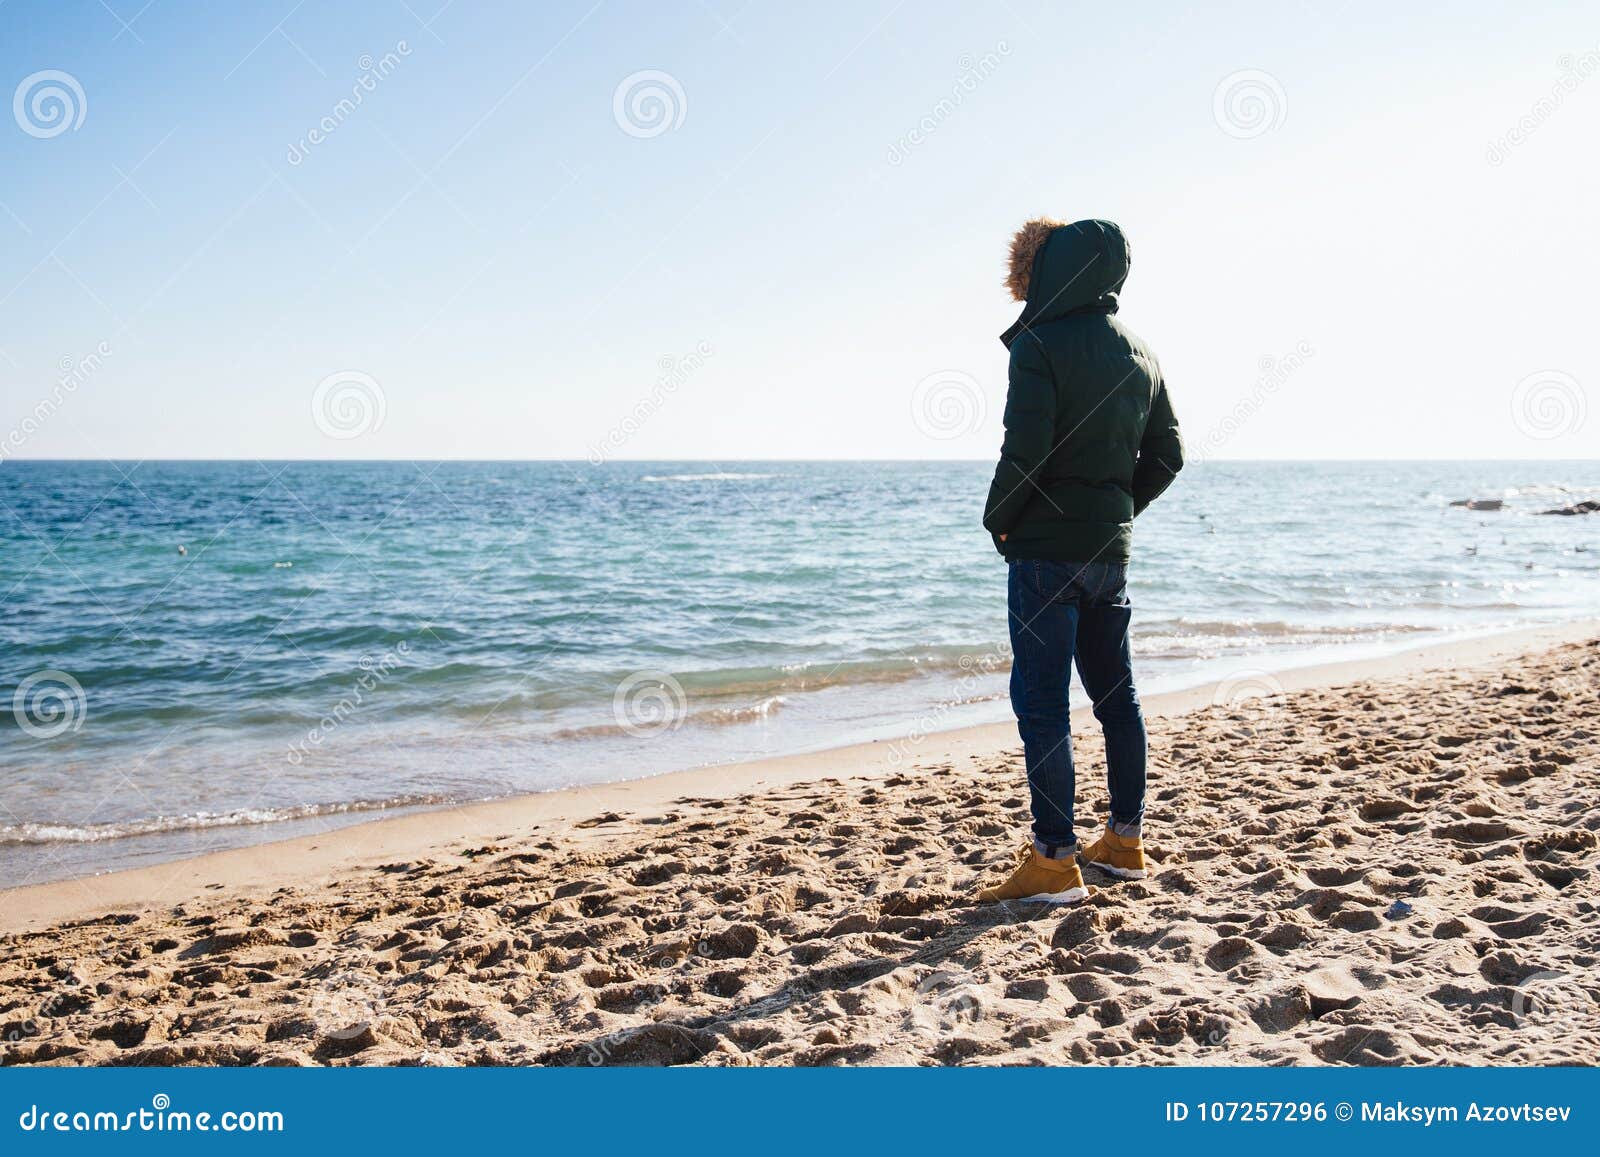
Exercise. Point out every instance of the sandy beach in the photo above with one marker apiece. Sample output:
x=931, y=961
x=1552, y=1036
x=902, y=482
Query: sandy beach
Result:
x=1389, y=862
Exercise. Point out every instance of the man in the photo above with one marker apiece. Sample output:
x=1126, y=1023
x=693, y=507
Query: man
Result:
x=1090, y=441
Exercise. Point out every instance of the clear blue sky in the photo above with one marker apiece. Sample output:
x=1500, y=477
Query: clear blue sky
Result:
x=483, y=240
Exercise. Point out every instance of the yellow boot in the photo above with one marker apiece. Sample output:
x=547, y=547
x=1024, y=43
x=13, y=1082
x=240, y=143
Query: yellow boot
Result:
x=1036, y=878
x=1120, y=855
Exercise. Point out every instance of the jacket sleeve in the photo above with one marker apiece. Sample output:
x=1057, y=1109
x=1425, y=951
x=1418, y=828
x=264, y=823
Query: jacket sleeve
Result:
x=1160, y=452
x=1030, y=423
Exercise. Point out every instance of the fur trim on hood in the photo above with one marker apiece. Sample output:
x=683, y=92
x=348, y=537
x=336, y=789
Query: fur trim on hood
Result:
x=1025, y=246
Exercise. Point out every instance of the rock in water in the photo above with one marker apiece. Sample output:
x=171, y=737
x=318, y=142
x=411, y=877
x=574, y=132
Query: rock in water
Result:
x=1481, y=503
x=1585, y=507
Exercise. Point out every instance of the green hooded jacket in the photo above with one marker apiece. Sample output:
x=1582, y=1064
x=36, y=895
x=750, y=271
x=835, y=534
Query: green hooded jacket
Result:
x=1090, y=437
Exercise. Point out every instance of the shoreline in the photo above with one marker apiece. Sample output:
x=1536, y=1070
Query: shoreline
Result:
x=1391, y=871
x=444, y=834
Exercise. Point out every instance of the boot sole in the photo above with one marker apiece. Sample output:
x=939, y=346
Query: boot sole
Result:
x=1070, y=896
x=1124, y=873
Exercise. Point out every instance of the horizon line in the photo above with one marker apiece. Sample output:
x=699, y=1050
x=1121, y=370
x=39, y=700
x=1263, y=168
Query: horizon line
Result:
x=719, y=461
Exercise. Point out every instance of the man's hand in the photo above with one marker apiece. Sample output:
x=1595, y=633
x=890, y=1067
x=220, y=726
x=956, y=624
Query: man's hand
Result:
x=1002, y=538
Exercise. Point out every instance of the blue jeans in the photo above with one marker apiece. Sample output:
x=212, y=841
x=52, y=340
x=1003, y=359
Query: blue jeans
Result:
x=1061, y=611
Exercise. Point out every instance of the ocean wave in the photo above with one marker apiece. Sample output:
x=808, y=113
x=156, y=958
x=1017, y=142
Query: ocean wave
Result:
x=745, y=712
x=710, y=717
x=1547, y=490
x=728, y=695
x=62, y=833
x=756, y=683
x=1272, y=629
x=719, y=476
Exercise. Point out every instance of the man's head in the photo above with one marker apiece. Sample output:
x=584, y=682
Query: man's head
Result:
x=1058, y=269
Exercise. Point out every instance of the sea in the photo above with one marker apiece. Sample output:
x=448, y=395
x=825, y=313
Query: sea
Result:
x=203, y=655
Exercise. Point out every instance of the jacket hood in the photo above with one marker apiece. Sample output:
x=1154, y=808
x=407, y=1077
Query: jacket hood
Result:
x=1079, y=269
